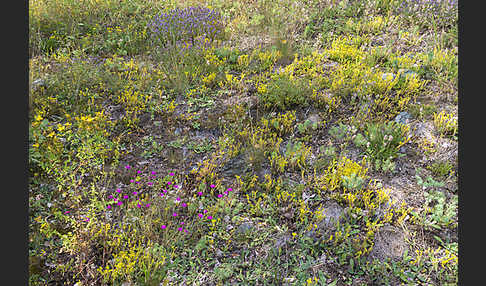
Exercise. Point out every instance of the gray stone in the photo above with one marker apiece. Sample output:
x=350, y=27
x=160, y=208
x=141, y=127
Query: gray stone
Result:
x=403, y=117
x=407, y=73
x=282, y=241
x=314, y=118
x=36, y=84
x=244, y=228
x=385, y=76
x=389, y=243
x=235, y=166
x=333, y=213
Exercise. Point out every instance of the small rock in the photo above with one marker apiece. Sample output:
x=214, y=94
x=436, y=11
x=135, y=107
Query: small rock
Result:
x=403, y=117
x=38, y=83
x=407, y=73
x=244, y=228
x=333, y=213
x=389, y=243
x=386, y=76
x=314, y=118
x=282, y=241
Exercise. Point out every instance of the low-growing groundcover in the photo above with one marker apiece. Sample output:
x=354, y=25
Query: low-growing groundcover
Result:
x=243, y=142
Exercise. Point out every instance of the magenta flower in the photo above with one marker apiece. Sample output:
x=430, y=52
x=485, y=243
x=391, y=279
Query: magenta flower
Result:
x=108, y=207
x=153, y=173
x=110, y=196
x=161, y=194
x=212, y=186
x=138, y=205
x=165, y=191
x=150, y=183
x=230, y=189
x=135, y=193
x=127, y=167
x=220, y=196
x=185, y=230
x=174, y=214
x=184, y=205
x=176, y=186
x=120, y=203
x=125, y=197
x=226, y=192
x=179, y=229
x=163, y=226
x=182, y=222
x=205, y=211
x=147, y=205
x=137, y=182
x=210, y=217
x=139, y=172
x=131, y=181
x=199, y=193
x=66, y=212
x=118, y=190
x=171, y=174
x=178, y=199
x=200, y=215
